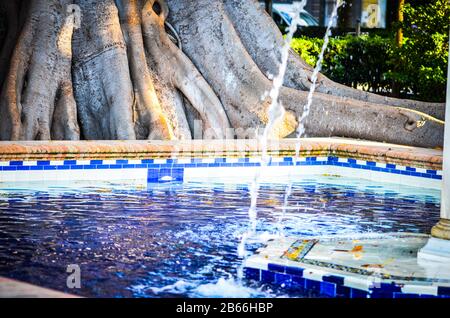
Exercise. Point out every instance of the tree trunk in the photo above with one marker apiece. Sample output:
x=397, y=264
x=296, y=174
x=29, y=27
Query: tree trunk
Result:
x=144, y=69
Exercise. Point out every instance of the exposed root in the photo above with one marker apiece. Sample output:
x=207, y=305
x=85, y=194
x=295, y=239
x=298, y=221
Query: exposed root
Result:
x=102, y=81
x=177, y=70
x=39, y=66
x=150, y=119
x=262, y=44
x=236, y=78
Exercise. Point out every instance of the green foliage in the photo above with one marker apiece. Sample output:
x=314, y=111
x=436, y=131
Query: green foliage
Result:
x=373, y=63
x=353, y=61
x=422, y=58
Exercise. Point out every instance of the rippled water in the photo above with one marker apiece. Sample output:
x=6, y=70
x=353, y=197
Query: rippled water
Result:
x=171, y=240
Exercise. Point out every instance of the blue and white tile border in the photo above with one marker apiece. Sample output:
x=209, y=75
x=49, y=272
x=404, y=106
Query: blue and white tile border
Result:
x=180, y=169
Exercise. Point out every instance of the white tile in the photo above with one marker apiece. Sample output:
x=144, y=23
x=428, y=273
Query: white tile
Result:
x=57, y=163
x=255, y=160
x=417, y=289
x=439, y=172
x=4, y=163
x=277, y=159
x=109, y=162
x=160, y=161
x=83, y=162
x=30, y=163
x=232, y=160
x=402, y=168
x=421, y=170
x=361, y=162
x=343, y=160
x=184, y=160
x=257, y=263
x=134, y=162
x=208, y=160
x=314, y=274
x=358, y=283
x=381, y=165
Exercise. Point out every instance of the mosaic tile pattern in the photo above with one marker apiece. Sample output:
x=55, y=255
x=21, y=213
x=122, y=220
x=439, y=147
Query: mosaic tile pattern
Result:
x=293, y=270
x=162, y=170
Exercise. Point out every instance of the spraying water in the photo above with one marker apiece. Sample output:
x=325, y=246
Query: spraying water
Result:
x=276, y=112
x=307, y=108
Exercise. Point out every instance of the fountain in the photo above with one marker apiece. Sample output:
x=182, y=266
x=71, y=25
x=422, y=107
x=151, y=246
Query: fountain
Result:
x=276, y=112
x=438, y=247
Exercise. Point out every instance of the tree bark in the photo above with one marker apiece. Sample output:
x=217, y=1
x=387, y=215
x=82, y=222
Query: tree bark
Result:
x=144, y=69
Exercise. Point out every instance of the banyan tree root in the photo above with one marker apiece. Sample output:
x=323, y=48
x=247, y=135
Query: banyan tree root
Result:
x=37, y=98
x=236, y=78
x=112, y=69
x=261, y=42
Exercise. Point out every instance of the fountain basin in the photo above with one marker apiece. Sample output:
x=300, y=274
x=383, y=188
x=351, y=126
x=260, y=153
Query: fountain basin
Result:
x=198, y=184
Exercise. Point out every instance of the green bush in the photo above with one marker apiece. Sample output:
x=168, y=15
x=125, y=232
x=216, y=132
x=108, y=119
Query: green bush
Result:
x=373, y=63
x=422, y=59
x=353, y=61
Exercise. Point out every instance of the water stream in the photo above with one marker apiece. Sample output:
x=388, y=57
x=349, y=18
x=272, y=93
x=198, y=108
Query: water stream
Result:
x=276, y=112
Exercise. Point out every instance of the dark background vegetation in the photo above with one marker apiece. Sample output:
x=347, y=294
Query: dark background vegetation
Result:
x=414, y=68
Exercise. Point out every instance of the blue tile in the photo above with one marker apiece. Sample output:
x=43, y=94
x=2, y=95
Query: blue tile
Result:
x=36, y=167
x=283, y=279
x=297, y=271
x=334, y=279
x=70, y=162
x=403, y=295
x=49, y=167
x=121, y=161
x=411, y=169
x=63, y=168
x=116, y=166
x=43, y=162
x=371, y=163
x=267, y=277
x=148, y=161
x=381, y=294
x=443, y=290
x=356, y=293
x=102, y=166
x=298, y=282
x=328, y=289
x=431, y=171
x=343, y=291
x=141, y=166
x=76, y=167
x=16, y=163
x=312, y=285
x=90, y=167
x=352, y=161
x=8, y=168
x=383, y=287
x=23, y=168
x=252, y=273
x=276, y=268
x=96, y=162
x=428, y=296
x=391, y=166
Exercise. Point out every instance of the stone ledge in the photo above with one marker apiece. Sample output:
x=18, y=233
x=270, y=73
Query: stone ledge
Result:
x=358, y=149
x=10, y=288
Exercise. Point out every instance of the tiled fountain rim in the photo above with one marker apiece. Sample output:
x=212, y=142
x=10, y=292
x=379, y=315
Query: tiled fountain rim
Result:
x=339, y=147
